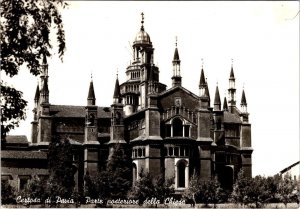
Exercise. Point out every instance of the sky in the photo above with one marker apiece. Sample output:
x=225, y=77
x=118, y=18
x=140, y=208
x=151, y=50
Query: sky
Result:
x=262, y=39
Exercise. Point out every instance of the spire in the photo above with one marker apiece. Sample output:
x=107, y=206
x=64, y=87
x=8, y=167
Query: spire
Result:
x=202, y=79
x=243, y=100
x=37, y=94
x=231, y=71
x=176, y=54
x=45, y=66
x=225, y=106
x=91, y=94
x=217, y=102
x=231, y=89
x=116, y=97
x=202, y=84
x=244, y=105
x=176, y=79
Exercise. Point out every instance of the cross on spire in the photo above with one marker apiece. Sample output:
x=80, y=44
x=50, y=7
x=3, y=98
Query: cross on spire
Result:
x=176, y=41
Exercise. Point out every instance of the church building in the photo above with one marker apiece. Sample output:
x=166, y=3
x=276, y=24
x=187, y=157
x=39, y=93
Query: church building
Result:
x=171, y=132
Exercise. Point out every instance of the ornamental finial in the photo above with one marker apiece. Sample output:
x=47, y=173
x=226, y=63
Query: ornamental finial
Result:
x=142, y=27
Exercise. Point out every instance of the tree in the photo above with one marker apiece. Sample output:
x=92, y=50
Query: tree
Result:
x=7, y=193
x=61, y=169
x=113, y=182
x=286, y=189
x=35, y=188
x=272, y=185
x=98, y=187
x=192, y=191
x=210, y=191
x=143, y=188
x=258, y=192
x=25, y=38
x=119, y=171
x=240, y=189
x=163, y=188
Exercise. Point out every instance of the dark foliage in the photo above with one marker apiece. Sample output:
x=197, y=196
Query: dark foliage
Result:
x=12, y=109
x=119, y=171
x=113, y=182
x=61, y=169
x=7, y=193
x=147, y=187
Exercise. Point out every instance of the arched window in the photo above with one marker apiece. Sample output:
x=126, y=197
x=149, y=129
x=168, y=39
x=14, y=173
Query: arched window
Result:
x=181, y=174
x=177, y=127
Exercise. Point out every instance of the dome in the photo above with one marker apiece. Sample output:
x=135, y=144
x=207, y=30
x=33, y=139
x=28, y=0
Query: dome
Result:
x=142, y=37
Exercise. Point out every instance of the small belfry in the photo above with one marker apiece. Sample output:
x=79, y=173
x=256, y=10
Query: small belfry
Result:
x=176, y=78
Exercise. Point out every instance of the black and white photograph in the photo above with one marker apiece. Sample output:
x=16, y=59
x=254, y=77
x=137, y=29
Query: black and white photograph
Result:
x=150, y=104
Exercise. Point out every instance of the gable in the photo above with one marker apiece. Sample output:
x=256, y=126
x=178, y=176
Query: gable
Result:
x=178, y=97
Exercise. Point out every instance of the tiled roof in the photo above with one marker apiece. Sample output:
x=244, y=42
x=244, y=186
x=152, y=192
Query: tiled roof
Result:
x=231, y=118
x=23, y=154
x=16, y=139
x=77, y=111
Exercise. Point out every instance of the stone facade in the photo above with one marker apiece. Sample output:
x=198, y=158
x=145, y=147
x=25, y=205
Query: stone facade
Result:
x=172, y=132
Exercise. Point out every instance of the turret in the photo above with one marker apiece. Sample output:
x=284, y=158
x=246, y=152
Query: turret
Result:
x=176, y=78
x=44, y=120
x=44, y=93
x=91, y=143
x=231, y=90
x=91, y=127
x=117, y=123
